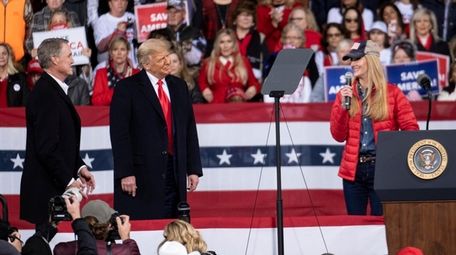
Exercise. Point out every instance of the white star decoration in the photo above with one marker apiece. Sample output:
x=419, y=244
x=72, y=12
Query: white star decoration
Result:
x=87, y=160
x=18, y=161
x=293, y=156
x=327, y=156
x=258, y=157
x=224, y=158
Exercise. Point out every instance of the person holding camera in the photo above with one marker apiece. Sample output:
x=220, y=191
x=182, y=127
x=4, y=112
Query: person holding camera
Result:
x=53, y=162
x=106, y=226
x=116, y=23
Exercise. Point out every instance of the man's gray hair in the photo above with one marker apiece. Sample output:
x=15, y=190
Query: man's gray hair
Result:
x=49, y=48
x=152, y=46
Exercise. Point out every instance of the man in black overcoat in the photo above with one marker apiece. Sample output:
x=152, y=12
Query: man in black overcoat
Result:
x=52, y=160
x=155, y=147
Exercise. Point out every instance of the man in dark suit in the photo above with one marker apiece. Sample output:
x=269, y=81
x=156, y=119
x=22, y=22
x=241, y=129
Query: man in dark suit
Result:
x=153, y=137
x=52, y=160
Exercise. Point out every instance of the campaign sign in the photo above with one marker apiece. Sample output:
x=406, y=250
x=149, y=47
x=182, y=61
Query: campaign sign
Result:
x=444, y=64
x=405, y=75
x=334, y=78
x=76, y=40
x=150, y=17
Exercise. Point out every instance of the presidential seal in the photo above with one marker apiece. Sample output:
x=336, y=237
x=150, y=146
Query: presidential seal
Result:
x=427, y=159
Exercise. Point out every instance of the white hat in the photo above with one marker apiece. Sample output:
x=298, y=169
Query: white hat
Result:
x=172, y=248
x=379, y=25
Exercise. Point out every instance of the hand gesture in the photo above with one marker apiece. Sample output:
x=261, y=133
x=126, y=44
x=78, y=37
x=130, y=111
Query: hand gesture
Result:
x=72, y=206
x=129, y=185
x=192, y=183
x=88, y=180
x=124, y=226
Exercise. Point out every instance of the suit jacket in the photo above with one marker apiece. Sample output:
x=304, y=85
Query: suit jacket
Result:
x=139, y=144
x=52, y=150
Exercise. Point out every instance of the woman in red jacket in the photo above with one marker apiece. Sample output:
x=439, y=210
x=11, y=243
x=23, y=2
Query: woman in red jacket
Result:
x=117, y=68
x=227, y=76
x=375, y=106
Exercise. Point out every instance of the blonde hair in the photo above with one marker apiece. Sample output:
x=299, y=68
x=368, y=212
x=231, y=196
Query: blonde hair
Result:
x=240, y=70
x=184, y=233
x=376, y=94
x=151, y=46
x=293, y=27
x=310, y=17
x=418, y=14
x=11, y=69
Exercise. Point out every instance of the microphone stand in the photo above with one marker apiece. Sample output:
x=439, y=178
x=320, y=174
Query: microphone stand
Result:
x=279, y=205
x=429, y=94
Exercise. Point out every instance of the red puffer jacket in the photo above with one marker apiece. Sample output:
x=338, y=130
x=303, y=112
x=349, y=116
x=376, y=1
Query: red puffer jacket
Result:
x=345, y=128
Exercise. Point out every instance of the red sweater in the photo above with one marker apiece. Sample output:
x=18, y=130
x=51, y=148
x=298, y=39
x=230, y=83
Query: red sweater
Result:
x=102, y=94
x=346, y=128
x=222, y=82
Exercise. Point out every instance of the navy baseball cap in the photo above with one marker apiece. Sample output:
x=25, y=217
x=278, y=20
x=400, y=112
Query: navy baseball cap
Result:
x=361, y=49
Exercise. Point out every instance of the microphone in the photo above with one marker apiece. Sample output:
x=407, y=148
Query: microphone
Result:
x=424, y=81
x=347, y=99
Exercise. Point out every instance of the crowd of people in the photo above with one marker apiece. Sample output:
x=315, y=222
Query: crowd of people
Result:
x=222, y=56
x=219, y=69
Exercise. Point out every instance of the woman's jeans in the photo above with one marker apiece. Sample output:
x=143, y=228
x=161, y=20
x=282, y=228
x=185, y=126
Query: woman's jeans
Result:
x=361, y=191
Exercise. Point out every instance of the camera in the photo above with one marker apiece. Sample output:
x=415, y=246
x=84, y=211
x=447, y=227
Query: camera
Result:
x=113, y=233
x=57, y=206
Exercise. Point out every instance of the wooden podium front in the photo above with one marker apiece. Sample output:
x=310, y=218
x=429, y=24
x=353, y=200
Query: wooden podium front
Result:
x=430, y=226
x=415, y=178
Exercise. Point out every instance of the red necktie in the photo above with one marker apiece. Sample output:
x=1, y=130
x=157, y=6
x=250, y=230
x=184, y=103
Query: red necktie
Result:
x=166, y=107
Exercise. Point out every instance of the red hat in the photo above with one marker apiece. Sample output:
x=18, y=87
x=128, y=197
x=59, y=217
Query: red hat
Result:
x=34, y=67
x=409, y=250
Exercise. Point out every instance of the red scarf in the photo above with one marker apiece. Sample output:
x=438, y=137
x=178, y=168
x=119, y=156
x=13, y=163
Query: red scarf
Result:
x=244, y=43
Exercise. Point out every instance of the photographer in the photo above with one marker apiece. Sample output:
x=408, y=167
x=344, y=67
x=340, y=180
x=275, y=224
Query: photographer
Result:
x=104, y=225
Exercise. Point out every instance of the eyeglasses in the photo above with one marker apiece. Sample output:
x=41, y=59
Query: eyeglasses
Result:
x=334, y=35
x=348, y=20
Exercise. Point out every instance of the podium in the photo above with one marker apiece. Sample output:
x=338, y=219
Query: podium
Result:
x=415, y=178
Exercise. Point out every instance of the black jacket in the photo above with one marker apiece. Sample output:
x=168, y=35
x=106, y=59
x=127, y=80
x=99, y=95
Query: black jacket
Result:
x=17, y=91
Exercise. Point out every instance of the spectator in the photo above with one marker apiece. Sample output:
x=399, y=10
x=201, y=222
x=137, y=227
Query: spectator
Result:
x=342, y=49
x=448, y=93
x=13, y=85
x=272, y=16
x=188, y=37
x=407, y=8
x=117, y=68
x=444, y=10
x=249, y=39
x=404, y=52
x=78, y=88
x=33, y=72
x=293, y=37
x=379, y=35
x=183, y=233
x=15, y=16
x=353, y=25
x=226, y=76
x=41, y=20
x=116, y=23
x=390, y=14
x=424, y=33
x=337, y=14
x=327, y=56
x=97, y=214
x=216, y=15
x=305, y=20
x=179, y=69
